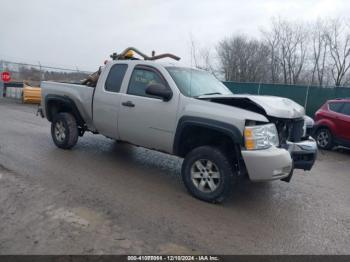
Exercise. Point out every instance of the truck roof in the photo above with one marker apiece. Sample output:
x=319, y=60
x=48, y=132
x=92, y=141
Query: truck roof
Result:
x=153, y=62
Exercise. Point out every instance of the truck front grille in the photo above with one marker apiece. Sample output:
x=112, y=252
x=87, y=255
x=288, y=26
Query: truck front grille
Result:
x=296, y=130
x=289, y=129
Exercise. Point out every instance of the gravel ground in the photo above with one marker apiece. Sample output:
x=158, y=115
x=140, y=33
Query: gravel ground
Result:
x=108, y=198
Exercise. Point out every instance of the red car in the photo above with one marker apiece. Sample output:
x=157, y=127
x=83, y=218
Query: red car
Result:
x=332, y=124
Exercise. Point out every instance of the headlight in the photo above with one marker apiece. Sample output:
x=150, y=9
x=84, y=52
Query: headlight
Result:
x=260, y=137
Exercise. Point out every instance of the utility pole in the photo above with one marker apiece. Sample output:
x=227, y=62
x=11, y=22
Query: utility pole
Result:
x=259, y=88
x=41, y=73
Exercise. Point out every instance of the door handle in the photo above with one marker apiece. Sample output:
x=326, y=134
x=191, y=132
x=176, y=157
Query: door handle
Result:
x=128, y=103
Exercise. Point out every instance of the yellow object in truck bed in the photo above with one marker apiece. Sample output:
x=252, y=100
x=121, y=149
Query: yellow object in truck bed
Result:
x=31, y=95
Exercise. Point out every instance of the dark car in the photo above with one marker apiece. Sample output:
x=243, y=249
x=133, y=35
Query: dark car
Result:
x=332, y=124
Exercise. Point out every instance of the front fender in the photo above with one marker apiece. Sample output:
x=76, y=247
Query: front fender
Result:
x=185, y=121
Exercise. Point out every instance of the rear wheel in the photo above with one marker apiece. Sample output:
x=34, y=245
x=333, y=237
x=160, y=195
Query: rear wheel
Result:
x=64, y=130
x=208, y=174
x=324, y=138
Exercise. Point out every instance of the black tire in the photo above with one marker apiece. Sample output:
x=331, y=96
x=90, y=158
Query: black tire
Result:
x=221, y=162
x=324, y=138
x=70, y=130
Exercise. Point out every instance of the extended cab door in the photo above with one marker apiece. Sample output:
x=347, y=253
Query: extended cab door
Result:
x=106, y=100
x=146, y=120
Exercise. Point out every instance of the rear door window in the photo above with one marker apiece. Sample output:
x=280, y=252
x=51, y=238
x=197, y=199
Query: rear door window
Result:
x=336, y=106
x=346, y=109
x=115, y=78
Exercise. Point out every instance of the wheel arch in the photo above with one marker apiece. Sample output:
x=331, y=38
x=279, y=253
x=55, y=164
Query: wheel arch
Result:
x=325, y=123
x=59, y=104
x=195, y=131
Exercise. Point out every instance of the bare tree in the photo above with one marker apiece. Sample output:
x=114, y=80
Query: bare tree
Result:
x=272, y=40
x=226, y=58
x=338, y=38
x=288, y=47
x=290, y=53
x=243, y=59
x=319, y=52
x=201, y=57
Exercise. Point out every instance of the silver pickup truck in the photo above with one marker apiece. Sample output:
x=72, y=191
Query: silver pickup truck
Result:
x=188, y=113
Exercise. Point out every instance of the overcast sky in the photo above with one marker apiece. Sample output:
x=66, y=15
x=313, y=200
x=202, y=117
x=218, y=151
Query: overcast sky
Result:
x=83, y=33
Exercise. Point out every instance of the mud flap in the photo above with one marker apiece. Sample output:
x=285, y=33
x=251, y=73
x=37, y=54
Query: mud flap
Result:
x=40, y=112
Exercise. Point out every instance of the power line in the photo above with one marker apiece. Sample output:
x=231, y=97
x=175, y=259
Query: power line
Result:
x=43, y=66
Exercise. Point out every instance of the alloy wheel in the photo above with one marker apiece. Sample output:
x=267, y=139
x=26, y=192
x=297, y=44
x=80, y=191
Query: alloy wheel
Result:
x=60, y=131
x=205, y=175
x=323, y=138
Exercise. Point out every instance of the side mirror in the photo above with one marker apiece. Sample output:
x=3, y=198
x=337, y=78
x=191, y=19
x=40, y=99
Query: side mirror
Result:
x=159, y=90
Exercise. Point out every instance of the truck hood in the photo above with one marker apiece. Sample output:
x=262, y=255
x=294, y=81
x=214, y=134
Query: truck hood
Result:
x=273, y=106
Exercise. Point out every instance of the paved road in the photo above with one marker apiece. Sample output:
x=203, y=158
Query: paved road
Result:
x=105, y=197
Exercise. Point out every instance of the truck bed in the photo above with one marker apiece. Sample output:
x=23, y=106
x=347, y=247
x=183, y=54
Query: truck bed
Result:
x=80, y=94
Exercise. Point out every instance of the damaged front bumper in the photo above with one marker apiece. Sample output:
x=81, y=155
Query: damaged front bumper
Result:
x=303, y=153
x=278, y=163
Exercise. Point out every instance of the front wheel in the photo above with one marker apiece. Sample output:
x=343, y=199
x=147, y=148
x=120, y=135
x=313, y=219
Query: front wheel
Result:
x=208, y=174
x=64, y=130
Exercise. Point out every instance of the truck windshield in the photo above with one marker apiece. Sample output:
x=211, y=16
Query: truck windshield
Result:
x=192, y=82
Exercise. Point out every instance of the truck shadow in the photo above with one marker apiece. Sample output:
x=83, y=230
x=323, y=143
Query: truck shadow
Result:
x=145, y=164
x=148, y=159
x=244, y=194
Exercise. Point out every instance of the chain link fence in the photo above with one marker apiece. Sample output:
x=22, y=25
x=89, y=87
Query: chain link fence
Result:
x=33, y=74
x=38, y=72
